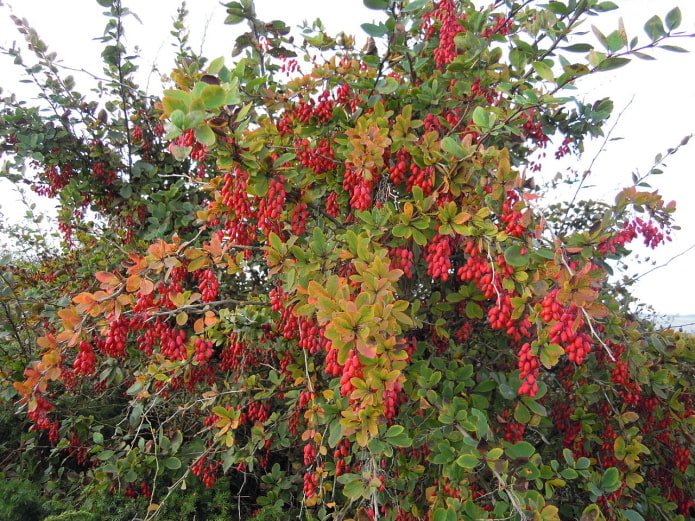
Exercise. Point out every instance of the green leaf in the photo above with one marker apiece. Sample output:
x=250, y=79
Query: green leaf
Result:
x=605, y=6
x=673, y=18
x=386, y=86
x=631, y=515
x=353, y=489
x=467, y=461
x=612, y=63
x=105, y=454
x=481, y=118
x=544, y=71
x=522, y=449
x=514, y=257
x=213, y=96
x=474, y=310
x=98, y=438
x=610, y=481
x=172, y=463
x=374, y=30
x=494, y=454
x=521, y=413
x=453, y=147
x=578, y=47
x=591, y=513
x=550, y=355
x=673, y=48
x=379, y=5
x=205, y=135
x=654, y=28
x=414, y=6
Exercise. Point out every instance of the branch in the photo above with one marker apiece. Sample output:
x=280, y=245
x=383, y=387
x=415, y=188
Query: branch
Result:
x=588, y=171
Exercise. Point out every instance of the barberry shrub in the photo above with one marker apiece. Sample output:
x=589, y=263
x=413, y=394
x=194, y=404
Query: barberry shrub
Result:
x=373, y=316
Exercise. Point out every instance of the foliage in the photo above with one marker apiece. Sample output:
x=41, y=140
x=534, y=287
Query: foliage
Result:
x=364, y=311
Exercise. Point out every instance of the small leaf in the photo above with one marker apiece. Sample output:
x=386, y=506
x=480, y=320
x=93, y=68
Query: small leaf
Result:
x=673, y=48
x=522, y=449
x=205, y=135
x=172, y=463
x=655, y=28
x=673, y=18
x=467, y=461
x=612, y=63
x=481, y=118
x=374, y=30
x=610, y=481
x=213, y=96
x=474, y=311
x=631, y=515
x=578, y=47
x=379, y=5
x=544, y=71
x=514, y=257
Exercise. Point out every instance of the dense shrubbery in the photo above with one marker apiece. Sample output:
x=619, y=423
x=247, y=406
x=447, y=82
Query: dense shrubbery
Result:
x=338, y=294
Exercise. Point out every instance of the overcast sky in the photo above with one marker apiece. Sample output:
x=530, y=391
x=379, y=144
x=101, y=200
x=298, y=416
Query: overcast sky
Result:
x=661, y=112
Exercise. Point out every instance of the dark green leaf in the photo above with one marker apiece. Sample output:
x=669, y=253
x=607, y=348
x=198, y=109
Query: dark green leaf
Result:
x=473, y=310
x=172, y=463
x=610, y=481
x=514, y=257
x=631, y=515
x=655, y=28
x=612, y=63
x=673, y=18
x=578, y=47
x=522, y=449
x=374, y=30
x=376, y=4
x=673, y=48
x=481, y=118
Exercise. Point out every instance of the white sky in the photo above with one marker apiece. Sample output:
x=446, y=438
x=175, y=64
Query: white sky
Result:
x=661, y=113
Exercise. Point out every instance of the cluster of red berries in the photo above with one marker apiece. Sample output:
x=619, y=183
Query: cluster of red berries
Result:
x=208, y=285
x=299, y=218
x=116, y=338
x=533, y=130
x=52, y=179
x=503, y=27
x=172, y=342
x=528, y=371
x=449, y=27
x=359, y=187
x=311, y=335
x=206, y=470
x=422, y=178
x=320, y=159
x=311, y=485
x=258, y=412
x=353, y=369
x=203, y=350
x=400, y=166
x=104, y=176
x=133, y=490
x=402, y=259
x=85, y=361
x=234, y=193
x=233, y=354
x=332, y=207
x=438, y=257
x=187, y=139
x=512, y=217
x=78, y=450
x=620, y=239
x=271, y=206
x=566, y=331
